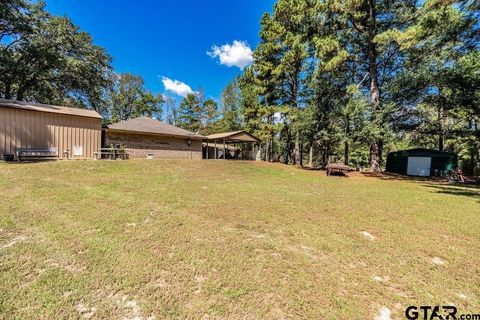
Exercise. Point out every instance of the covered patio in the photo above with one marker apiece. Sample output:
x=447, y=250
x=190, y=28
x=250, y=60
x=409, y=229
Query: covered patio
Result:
x=238, y=145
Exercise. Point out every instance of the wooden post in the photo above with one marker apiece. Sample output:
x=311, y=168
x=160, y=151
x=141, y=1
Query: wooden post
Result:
x=224, y=157
x=207, y=150
x=216, y=153
x=301, y=154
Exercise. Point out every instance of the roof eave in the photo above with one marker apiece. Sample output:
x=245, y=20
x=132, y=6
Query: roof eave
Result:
x=231, y=137
x=193, y=137
x=61, y=110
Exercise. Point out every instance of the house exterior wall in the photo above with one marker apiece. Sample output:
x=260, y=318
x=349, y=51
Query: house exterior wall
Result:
x=35, y=129
x=162, y=147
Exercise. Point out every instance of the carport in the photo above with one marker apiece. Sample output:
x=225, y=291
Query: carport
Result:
x=239, y=145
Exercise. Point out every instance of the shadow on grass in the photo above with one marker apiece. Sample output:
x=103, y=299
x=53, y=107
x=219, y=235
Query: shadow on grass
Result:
x=437, y=184
x=15, y=162
x=399, y=177
x=472, y=191
x=311, y=168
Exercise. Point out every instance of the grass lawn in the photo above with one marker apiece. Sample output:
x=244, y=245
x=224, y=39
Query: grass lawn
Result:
x=223, y=239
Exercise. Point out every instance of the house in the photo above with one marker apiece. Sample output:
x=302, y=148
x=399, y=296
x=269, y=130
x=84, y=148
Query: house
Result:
x=70, y=132
x=145, y=136
x=41, y=130
x=421, y=162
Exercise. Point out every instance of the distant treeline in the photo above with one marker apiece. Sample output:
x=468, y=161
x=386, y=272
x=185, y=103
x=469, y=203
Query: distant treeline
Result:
x=332, y=81
x=348, y=81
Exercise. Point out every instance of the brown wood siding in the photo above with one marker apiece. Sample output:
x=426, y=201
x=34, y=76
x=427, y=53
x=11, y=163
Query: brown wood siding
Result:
x=2, y=131
x=35, y=129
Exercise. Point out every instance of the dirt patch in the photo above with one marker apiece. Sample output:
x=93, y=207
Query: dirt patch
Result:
x=462, y=296
x=84, y=311
x=381, y=279
x=199, y=279
x=438, y=261
x=367, y=235
x=383, y=314
x=14, y=241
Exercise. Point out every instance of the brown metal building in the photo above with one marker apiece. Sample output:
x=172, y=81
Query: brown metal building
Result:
x=74, y=132
x=145, y=136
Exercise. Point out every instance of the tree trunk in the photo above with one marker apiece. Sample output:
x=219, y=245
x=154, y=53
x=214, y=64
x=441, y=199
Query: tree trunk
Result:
x=301, y=154
x=288, y=150
x=346, y=153
x=310, y=155
x=441, y=127
x=374, y=161
x=380, y=153
x=326, y=155
x=472, y=161
x=272, y=153
x=324, y=158
x=8, y=90
x=296, y=152
x=20, y=94
x=267, y=150
x=294, y=103
x=346, y=145
x=374, y=89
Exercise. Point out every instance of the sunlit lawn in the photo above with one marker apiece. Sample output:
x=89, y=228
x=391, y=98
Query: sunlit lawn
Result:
x=224, y=239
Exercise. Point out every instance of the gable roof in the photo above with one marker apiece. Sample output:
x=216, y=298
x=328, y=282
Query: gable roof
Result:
x=48, y=108
x=146, y=125
x=234, y=136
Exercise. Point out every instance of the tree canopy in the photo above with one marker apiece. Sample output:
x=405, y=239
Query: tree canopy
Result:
x=331, y=81
x=353, y=80
x=48, y=59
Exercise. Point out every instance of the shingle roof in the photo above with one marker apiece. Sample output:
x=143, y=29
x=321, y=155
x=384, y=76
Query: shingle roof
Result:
x=240, y=136
x=48, y=108
x=151, y=126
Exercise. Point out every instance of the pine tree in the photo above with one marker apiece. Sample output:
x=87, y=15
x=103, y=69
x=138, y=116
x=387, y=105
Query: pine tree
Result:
x=266, y=82
x=231, y=113
x=190, y=113
x=353, y=30
x=211, y=114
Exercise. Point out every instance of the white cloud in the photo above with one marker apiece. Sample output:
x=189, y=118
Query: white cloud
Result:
x=177, y=87
x=237, y=54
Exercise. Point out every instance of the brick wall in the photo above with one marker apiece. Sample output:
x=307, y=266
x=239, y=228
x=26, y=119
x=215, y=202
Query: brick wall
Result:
x=138, y=146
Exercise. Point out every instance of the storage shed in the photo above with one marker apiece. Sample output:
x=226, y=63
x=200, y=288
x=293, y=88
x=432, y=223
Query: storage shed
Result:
x=70, y=132
x=421, y=162
x=145, y=136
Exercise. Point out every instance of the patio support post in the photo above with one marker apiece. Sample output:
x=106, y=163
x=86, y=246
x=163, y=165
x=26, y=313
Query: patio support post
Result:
x=224, y=157
x=207, y=150
x=216, y=153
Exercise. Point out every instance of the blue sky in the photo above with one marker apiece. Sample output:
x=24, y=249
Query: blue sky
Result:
x=171, y=39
